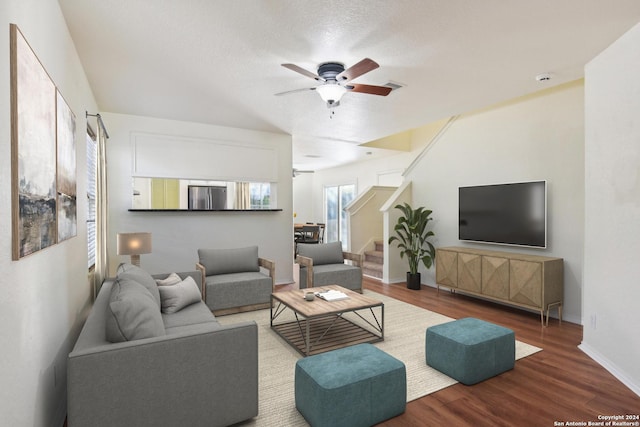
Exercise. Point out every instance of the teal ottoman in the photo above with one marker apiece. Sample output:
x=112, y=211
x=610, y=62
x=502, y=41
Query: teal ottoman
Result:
x=470, y=350
x=353, y=386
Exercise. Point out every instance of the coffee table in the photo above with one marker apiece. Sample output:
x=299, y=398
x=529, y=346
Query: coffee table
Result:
x=318, y=326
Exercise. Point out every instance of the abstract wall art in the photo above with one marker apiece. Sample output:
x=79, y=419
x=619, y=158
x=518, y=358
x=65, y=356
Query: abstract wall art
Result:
x=43, y=159
x=66, y=176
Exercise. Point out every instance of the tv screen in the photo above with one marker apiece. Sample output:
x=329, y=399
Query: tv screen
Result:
x=509, y=214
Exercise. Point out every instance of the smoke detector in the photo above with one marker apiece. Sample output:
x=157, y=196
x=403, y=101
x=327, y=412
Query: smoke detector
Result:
x=543, y=77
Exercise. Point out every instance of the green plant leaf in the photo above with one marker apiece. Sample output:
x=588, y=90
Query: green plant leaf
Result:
x=412, y=235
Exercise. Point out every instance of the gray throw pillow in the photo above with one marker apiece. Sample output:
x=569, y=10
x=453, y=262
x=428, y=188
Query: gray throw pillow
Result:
x=322, y=253
x=175, y=297
x=132, y=313
x=225, y=261
x=135, y=273
x=172, y=279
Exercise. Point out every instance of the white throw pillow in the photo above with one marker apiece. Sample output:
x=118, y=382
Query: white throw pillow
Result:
x=172, y=279
x=174, y=298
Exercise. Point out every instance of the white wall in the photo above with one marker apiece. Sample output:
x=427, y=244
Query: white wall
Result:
x=363, y=174
x=178, y=235
x=44, y=297
x=537, y=137
x=612, y=205
x=303, y=199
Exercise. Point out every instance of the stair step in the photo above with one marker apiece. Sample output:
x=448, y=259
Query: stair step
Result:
x=372, y=269
x=373, y=260
x=370, y=264
x=371, y=273
x=374, y=256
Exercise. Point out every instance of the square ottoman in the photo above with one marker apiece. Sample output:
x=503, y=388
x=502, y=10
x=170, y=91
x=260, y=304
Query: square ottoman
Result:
x=470, y=350
x=352, y=386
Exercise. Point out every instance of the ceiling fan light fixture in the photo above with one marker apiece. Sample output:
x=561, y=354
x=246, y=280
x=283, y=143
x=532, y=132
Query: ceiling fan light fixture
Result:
x=331, y=92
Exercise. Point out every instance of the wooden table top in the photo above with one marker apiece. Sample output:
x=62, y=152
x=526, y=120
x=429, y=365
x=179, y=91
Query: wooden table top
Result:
x=318, y=307
x=299, y=225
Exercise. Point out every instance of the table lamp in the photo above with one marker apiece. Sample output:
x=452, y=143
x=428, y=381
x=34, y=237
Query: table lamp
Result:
x=134, y=244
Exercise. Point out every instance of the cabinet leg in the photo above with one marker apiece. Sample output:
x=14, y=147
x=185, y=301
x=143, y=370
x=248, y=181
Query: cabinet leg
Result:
x=560, y=313
x=559, y=304
x=547, y=324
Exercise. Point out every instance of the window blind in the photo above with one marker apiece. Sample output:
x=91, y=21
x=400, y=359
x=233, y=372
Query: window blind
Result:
x=91, y=201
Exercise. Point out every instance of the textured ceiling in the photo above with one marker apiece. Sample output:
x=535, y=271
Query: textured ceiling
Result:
x=218, y=62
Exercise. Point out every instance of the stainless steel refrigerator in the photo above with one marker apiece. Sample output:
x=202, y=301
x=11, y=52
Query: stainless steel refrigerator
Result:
x=207, y=198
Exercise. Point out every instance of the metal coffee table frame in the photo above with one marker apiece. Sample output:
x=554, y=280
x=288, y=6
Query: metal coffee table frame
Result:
x=321, y=326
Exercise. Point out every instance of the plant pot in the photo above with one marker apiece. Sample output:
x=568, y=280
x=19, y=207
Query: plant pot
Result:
x=413, y=281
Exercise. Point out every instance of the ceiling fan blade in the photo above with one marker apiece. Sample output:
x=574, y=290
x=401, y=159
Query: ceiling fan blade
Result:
x=297, y=172
x=300, y=70
x=295, y=90
x=357, y=70
x=370, y=89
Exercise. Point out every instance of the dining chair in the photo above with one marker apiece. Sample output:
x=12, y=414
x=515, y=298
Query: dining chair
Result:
x=305, y=234
x=310, y=234
x=321, y=227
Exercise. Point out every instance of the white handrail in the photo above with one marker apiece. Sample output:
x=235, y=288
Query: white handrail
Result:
x=429, y=145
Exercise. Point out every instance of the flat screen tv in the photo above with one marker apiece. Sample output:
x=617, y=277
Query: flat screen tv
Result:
x=508, y=214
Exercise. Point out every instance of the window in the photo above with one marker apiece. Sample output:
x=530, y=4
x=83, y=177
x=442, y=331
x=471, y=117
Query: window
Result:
x=335, y=200
x=260, y=195
x=91, y=199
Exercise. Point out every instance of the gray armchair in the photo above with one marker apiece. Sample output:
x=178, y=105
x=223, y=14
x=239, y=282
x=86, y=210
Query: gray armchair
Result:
x=235, y=280
x=324, y=264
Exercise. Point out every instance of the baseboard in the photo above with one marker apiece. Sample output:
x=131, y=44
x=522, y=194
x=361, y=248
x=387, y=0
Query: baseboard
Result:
x=610, y=366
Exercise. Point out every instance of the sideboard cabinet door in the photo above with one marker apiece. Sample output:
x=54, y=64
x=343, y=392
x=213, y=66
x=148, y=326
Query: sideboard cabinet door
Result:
x=469, y=272
x=495, y=277
x=447, y=268
x=525, y=282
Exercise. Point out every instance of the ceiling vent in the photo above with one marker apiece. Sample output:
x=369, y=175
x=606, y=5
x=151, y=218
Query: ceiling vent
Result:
x=393, y=85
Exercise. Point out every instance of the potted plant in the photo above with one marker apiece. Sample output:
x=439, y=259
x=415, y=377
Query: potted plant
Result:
x=411, y=237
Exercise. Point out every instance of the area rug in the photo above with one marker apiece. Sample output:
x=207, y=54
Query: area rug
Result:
x=405, y=327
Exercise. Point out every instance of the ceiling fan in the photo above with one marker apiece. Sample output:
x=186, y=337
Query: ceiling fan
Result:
x=335, y=80
x=297, y=172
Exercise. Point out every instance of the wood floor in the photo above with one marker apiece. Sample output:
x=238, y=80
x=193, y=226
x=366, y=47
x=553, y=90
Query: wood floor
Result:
x=558, y=384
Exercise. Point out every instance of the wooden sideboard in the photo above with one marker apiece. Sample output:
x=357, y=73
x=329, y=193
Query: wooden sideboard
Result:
x=528, y=281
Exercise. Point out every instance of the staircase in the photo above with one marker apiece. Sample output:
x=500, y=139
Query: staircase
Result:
x=373, y=260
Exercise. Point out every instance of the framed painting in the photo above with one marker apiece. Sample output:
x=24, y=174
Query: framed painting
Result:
x=33, y=150
x=66, y=169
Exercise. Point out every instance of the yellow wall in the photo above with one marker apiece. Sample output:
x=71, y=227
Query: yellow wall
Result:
x=165, y=193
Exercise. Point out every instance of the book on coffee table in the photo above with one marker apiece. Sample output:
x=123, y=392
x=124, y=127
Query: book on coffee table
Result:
x=332, y=295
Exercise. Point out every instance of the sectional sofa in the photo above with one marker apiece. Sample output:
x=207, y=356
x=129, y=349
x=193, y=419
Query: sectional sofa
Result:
x=151, y=355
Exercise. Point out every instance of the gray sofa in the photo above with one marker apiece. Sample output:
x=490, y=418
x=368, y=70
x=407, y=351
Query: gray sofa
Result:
x=164, y=369
x=324, y=264
x=235, y=280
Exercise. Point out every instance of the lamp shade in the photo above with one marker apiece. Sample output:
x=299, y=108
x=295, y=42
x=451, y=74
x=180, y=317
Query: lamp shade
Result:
x=331, y=92
x=134, y=244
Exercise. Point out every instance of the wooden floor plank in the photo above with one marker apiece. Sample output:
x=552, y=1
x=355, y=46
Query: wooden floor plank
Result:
x=561, y=383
